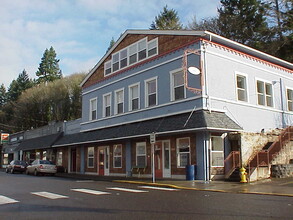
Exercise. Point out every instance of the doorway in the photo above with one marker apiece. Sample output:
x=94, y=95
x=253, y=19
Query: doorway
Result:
x=162, y=159
x=103, y=160
x=73, y=159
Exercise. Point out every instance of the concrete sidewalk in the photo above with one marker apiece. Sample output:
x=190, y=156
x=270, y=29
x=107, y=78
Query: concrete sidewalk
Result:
x=278, y=187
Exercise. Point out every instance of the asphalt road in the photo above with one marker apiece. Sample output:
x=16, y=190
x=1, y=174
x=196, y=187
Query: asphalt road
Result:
x=45, y=197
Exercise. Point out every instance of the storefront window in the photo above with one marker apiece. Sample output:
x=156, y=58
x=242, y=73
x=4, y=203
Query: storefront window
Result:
x=117, y=156
x=217, y=152
x=59, y=158
x=90, y=157
x=183, y=152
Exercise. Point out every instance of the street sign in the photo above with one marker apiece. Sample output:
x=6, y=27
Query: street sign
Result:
x=4, y=138
x=153, y=138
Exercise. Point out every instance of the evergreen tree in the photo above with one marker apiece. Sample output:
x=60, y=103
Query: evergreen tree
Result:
x=2, y=95
x=243, y=21
x=49, y=70
x=167, y=20
x=207, y=24
x=112, y=42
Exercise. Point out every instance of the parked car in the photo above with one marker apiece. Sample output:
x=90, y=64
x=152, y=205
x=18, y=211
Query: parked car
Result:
x=41, y=167
x=16, y=166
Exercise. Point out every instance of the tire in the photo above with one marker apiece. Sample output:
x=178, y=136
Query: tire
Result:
x=12, y=171
x=36, y=173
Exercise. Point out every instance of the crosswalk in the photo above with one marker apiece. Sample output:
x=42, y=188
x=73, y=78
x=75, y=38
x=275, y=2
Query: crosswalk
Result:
x=108, y=191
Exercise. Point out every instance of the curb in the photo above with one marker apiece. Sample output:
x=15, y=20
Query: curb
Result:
x=197, y=189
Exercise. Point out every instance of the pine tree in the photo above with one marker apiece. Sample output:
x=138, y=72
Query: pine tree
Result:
x=49, y=70
x=167, y=20
x=112, y=42
x=243, y=21
x=2, y=95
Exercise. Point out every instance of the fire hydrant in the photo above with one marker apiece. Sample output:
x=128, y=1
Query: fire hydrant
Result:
x=243, y=175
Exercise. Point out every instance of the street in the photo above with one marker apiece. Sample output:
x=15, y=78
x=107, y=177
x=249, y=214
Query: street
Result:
x=46, y=197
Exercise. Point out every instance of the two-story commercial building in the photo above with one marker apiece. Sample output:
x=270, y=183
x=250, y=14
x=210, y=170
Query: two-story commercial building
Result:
x=142, y=86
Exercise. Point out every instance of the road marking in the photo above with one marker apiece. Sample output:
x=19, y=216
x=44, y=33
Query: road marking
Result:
x=90, y=191
x=84, y=181
x=127, y=190
x=6, y=200
x=158, y=188
x=49, y=195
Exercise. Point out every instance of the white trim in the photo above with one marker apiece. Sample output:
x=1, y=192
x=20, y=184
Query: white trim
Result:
x=90, y=115
x=115, y=101
x=264, y=92
x=178, y=153
x=104, y=106
x=145, y=150
x=287, y=98
x=146, y=91
x=130, y=96
x=236, y=73
x=121, y=156
x=172, y=92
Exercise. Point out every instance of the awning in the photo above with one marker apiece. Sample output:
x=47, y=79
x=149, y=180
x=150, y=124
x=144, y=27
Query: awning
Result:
x=187, y=122
x=39, y=142
x=10, y=148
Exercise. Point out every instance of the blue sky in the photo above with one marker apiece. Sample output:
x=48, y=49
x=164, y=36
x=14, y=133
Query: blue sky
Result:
x=79, y=30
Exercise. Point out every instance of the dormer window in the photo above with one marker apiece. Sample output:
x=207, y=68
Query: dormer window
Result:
x=142, y=49
x=123, y=58
x=152, y=47
x=115, y=61
x=108, y=67
x=132, y=54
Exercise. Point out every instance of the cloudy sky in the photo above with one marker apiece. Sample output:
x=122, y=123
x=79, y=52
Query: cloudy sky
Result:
x=79, y=30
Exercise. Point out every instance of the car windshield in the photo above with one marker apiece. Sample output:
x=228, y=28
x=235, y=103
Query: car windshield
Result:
x=45, y=162
x=18, y=162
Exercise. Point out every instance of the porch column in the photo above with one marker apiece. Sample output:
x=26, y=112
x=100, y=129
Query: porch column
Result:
x=128, y=158
x=82, y=160
x=202, y=156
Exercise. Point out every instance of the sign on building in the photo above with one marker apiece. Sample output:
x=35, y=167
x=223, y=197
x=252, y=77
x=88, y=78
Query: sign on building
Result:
x=4, y=138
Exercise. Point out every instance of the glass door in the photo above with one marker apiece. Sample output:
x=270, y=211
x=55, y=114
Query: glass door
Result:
x=166, y=159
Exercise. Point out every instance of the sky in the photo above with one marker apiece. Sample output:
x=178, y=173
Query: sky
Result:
x=79, y=30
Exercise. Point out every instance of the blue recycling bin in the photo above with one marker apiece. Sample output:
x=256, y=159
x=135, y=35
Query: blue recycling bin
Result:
x=190, y=172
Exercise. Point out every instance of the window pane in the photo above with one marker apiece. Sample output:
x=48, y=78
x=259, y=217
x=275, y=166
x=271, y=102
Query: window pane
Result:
x=152, y=100
x=117, y=162
x=123, y=54
x=269, y=101
x=90, y=162
x=152, y=52
x=108, y=71
x=217, y=144
x=166, y=156
x=135, y=104
x=123, y=63
x=152, y=86
x=115, y=58
x=142, y=45
x=132, y=58
x=140, y=149
x=183, y=159
x=117, y=150
x=142, y=55
x=268, y=89
x=179, y=92
x=94, y=114
x=134, y=91
x=107, y=111
x=120, y=108
x=133, y=49
x=183, y=142
x=241, y=82
x=218, y=159
x=242, y=95
x=140, y=160
x=178, y=79
x=260, y=87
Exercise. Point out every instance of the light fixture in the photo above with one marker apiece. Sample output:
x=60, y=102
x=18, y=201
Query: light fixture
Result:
x=193, y=70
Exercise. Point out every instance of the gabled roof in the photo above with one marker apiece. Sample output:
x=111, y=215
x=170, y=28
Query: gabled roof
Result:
x=209, y=36
x=186, y=122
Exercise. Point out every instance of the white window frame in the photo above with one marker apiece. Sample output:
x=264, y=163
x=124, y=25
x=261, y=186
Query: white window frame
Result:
x=120, y=57
x=216, y=151
x=246, y=86
x=119, y=156
x=130, y=96
x=149, y=48
x=146, y=49
x=136, y=152
x=91, y=157
x=116, y=104
x=118, y=61
x=265, y=82
x=130, y=54
x=104, y=104
x=146, y=91
x=91, y=109
x=291, y=100
x=172, y=86
x=105, y=67
x=178, y=153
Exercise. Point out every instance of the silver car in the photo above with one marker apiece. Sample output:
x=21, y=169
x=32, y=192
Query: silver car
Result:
x=41, y=167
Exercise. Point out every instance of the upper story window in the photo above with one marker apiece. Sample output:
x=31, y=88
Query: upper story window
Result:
x=130, y=55
x=119, y=101
x=108, y=67
x=93, y=109
x=134, y=97
x=241, y=88
x=151, y=92
x=115, y=61
x=264, y=93
x=177, y=83
x=290, y=99
x=107, y=105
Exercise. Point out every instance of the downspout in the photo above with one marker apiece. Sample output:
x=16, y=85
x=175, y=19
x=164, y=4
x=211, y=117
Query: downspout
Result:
x=206, y=90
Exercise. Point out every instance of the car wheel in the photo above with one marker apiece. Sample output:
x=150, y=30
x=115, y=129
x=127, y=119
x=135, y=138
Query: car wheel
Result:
x=36, y=173
x=12, y=171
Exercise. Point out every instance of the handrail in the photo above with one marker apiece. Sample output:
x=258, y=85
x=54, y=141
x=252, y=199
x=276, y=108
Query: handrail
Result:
x=231, y=162
x=264, y=157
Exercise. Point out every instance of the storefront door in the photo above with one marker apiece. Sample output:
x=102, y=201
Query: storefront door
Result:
x=158, y=160
x=103, y=161
x=73, y=159
x=166, y=159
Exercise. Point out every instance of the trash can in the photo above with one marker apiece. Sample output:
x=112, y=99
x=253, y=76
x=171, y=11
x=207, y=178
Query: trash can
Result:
x=190, y=172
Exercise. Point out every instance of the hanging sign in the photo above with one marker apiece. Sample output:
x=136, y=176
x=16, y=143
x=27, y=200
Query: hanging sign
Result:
x=4, y=138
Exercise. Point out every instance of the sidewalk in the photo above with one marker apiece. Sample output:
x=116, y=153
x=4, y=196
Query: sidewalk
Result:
x=277, y=187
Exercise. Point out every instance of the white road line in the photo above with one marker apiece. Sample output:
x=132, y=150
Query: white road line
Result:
x=84, y=181
x=90, y=191
x=158, y=188
x=127, y=190
x=6, y=200
x=49, y=195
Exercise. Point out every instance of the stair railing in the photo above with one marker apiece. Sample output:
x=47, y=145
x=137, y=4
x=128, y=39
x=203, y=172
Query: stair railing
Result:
x=231, y=162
